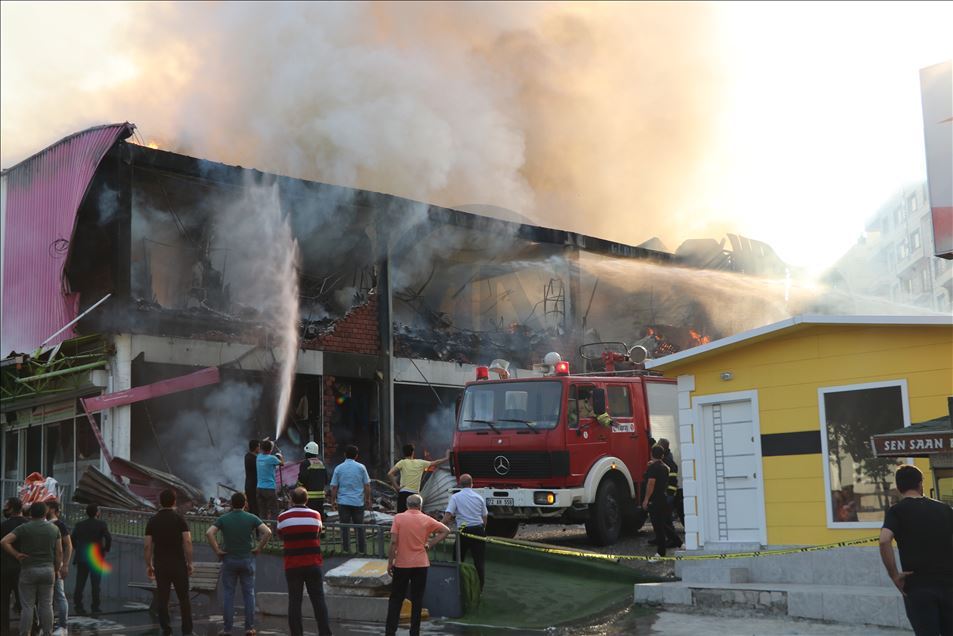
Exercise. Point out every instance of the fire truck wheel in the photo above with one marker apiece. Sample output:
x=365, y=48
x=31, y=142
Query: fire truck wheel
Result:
x=505, y=528
x=605, y=515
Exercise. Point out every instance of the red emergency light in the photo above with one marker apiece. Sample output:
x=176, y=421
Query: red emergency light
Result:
x=482, y=373
x=562, y=367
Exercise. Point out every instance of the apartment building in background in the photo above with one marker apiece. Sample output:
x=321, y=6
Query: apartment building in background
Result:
x=894, y=258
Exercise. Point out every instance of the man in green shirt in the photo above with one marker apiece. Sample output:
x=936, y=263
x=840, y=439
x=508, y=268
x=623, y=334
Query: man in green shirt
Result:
x=238, y=529
x=36, y=545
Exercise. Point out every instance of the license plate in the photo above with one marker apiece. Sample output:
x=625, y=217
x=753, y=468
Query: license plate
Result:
x=499, y=501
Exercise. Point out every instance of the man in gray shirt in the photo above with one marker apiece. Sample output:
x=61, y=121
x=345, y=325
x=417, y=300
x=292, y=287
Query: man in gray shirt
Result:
x=36, y=545
x=468, y=509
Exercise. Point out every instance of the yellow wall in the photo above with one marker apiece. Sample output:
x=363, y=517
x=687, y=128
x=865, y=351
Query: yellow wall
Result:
x=787, y=369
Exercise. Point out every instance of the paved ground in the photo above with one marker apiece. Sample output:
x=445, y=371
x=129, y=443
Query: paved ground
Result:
x=132, y=619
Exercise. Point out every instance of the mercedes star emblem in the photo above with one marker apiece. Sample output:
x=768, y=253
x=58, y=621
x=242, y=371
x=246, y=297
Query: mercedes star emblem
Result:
x=501, y=465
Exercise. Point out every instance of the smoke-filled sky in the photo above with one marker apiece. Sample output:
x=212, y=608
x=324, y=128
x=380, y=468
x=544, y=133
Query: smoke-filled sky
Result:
x=786, y=122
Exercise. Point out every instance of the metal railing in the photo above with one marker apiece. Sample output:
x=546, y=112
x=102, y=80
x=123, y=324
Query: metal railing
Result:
x=132, y=523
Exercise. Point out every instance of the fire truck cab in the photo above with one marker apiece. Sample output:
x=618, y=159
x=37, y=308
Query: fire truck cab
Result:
x=539, y=452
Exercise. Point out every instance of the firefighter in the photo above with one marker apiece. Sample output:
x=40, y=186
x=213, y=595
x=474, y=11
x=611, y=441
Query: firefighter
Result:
x=313, y=477
x=672, y=492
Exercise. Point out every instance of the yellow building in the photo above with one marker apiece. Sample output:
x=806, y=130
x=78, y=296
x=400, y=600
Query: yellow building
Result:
x=775, y=425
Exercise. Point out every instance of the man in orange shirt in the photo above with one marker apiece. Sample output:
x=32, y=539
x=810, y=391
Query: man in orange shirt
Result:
x=408, y=561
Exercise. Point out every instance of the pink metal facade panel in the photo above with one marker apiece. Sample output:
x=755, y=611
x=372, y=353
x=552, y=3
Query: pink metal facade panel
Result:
x=43, y=195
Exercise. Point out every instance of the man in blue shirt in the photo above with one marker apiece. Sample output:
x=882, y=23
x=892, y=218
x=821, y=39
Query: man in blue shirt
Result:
x=350, y=494
x=468, y=509
x=266, y=463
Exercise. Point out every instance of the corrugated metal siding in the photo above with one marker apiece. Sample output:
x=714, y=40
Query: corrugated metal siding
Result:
x=43, y=194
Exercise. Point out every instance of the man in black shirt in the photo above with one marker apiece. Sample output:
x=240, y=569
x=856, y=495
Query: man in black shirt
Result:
x=10, y=574
x=251, y=476
x=655, y=501
x=923, y=529
x=168, y=551
x=88, y=532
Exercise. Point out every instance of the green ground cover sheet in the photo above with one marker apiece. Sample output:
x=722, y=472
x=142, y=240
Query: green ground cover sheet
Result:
x=533, y=590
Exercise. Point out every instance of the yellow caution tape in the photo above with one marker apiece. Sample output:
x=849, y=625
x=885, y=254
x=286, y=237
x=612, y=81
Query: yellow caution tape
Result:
x=699, y=557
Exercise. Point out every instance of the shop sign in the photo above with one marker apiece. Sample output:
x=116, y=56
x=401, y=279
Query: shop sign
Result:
x=907, y=445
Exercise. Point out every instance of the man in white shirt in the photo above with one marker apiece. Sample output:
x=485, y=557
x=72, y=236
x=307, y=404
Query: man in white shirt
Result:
x=468, y=510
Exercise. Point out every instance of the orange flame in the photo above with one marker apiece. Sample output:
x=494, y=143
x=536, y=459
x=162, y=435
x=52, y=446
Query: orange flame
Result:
x=698, y=338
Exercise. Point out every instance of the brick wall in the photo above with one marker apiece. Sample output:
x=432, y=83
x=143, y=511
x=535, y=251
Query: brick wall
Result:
x=356, y=332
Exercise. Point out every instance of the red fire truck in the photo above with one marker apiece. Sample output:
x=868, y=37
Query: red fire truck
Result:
x=539, y=451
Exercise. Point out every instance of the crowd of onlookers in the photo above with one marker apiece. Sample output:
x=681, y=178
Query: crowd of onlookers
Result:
x=348, y=493
x=38, y=550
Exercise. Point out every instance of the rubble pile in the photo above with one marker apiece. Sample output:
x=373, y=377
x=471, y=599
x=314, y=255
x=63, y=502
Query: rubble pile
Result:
x=95, y=487
x=241, y=323
x=215, y=507
x=134, y=487
x=519, y=344
x=383, y=496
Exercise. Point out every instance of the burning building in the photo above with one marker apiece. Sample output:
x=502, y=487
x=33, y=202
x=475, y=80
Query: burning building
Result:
x=333, y=314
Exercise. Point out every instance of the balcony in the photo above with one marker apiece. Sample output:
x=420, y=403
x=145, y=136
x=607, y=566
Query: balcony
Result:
x=905, y=264
x=944, y=279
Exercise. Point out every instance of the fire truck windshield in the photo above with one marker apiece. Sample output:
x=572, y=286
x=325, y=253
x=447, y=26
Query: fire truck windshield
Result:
x=508, y=405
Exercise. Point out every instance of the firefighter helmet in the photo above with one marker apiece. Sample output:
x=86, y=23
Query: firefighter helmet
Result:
x=312, y=448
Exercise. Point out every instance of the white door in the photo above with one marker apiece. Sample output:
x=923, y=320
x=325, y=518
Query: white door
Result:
x=734, y=506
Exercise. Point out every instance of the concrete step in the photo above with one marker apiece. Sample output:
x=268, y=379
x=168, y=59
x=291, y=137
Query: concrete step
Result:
x=850, y=566
x=854, y=605
x=716, y=575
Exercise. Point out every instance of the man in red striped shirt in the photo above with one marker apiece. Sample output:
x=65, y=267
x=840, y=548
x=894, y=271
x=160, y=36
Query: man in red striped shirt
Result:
x=300, y=530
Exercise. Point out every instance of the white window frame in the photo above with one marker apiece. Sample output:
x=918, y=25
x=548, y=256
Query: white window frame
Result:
x=825, y=459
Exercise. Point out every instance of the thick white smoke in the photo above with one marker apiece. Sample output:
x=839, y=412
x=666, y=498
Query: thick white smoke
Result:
x=205, y=446
x=591, y=117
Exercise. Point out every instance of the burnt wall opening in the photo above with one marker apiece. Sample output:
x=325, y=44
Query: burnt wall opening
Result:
x=424, y=419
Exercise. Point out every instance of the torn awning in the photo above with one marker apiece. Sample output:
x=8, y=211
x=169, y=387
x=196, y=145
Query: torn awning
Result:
x=42, y=195
x=202, y=377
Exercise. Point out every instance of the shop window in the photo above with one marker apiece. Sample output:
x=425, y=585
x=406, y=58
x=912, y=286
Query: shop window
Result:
x=860, y=487
x=944, y=485
x=619, y=403
x=11, y=454
x=34, y=450
x=59, y=451
x=87, y=448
